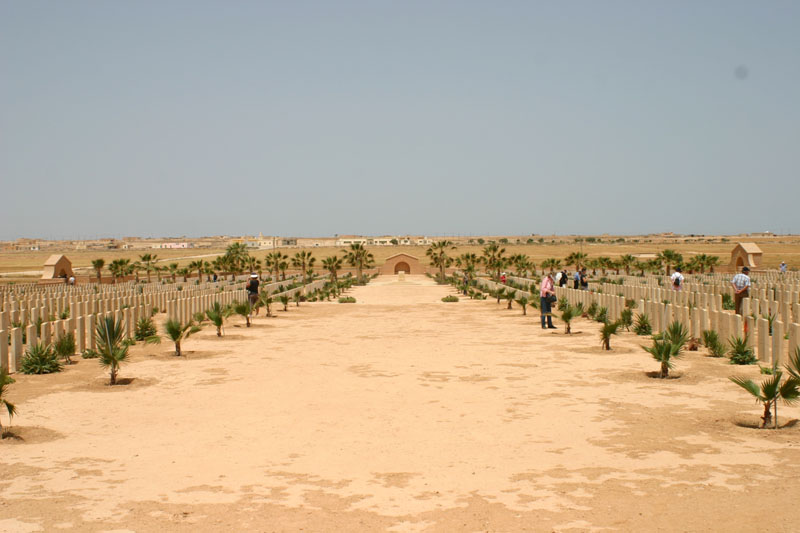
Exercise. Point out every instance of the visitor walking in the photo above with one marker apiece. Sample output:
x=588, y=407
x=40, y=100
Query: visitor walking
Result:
x=547, y=295
x=252, y=291
x=677, y=279
x=741, y=288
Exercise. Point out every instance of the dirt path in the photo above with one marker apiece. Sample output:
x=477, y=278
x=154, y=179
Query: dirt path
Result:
x=399, y=413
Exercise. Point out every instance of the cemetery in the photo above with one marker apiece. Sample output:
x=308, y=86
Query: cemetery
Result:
x=298, y=359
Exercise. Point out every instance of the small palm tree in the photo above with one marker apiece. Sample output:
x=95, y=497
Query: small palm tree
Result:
x=510, y=297
x=109, y=337
x=523, y=303
x=642, y=325
x=243, y=309
x=567, y=315
x=265, y=300
x=608, y=329
x=626, y=318
x=177, y=333
x=664, y=352
x=500, y=293
x=217, y=315
x=302, y=261
x=770, y=391
x=65, y=346
x=5, y=381
x=198, y=265
x=741, y=353
x=284, y=298
x=98, y=265
x=439, y=258
x=297, y=298
x=677, y=334
x=149, y=262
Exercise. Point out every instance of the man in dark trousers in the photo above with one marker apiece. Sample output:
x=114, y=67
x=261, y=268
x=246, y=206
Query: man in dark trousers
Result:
x=252, y=291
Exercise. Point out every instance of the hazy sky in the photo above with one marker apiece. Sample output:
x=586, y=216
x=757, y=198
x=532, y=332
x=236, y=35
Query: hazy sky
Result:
x=160, y=118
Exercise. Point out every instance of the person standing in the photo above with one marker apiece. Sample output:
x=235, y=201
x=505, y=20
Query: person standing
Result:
x=741, y=288
x=584, y=280
x=783, y=267
x=547, y=295
x=562, y=282
x=576, y=279
x=252, y=291
x=677, y=279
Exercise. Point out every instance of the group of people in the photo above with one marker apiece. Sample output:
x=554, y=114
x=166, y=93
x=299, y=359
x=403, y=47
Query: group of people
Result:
x=547, y=293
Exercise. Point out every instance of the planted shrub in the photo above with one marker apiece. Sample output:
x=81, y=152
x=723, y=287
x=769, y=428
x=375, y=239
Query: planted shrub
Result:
x=715, y=347
x=567, y=315
x=727, y=302
x=40, y=359
x=769, y=391
x=144, y=328
x=65, y=347
x=448, y=298
x=5, y=381
x=90, y=354
x=607, y=330
x=592, y=310
x=626, y=318
x=601, y=315
x=642, y=325
x=347, y=300
x=740, y=353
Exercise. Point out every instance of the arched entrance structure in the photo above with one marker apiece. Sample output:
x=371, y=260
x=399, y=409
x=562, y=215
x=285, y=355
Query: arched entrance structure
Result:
x=57, y=267
x=745, y=254
x=402, y=262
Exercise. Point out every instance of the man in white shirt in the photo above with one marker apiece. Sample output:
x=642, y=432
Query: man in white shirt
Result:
x=677, y=279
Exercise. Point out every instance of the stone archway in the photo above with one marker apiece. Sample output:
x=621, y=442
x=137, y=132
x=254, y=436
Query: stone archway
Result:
x=402, y=267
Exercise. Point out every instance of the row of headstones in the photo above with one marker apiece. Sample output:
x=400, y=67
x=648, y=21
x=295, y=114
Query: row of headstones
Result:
x=61, y=301
x=17, y=292
x=47, y=308
x=770, y=348
x=715, y=283
x=183, y=309
x=82, y=327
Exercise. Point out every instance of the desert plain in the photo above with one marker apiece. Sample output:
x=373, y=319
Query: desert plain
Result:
x=397, y=413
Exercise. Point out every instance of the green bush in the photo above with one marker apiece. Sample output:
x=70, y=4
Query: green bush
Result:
x=601, y=315
x=626, y=318
x=642, y=325
x=40, y=359
x=592, y=310
x=740, y=352
x=347, y=300
x=727, y=302
x=450, y=298
x=711, y=341
x=144, y=328
x=65, y=346
x=90, y=354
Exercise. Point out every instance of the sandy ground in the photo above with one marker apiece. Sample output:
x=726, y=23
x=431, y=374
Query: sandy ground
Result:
x=397, y=413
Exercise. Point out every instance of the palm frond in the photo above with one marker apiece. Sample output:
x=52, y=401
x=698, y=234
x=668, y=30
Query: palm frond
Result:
x=750, y=386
